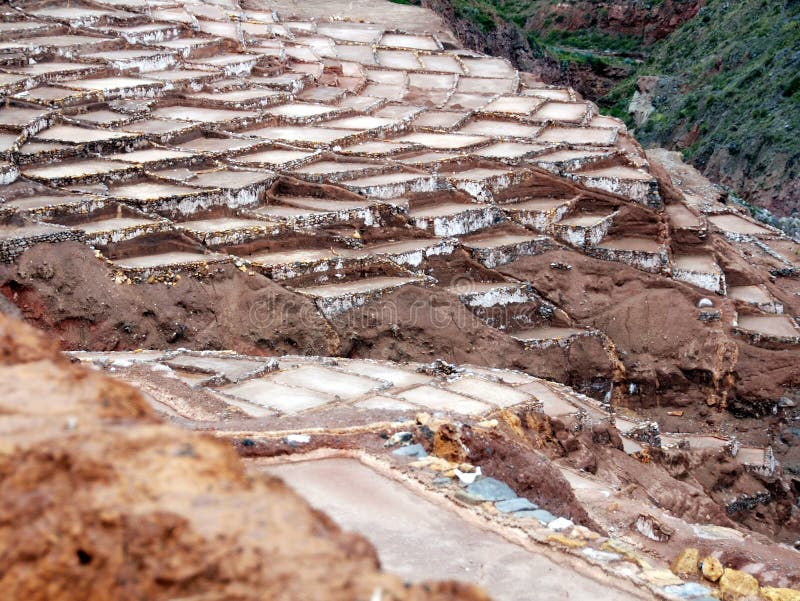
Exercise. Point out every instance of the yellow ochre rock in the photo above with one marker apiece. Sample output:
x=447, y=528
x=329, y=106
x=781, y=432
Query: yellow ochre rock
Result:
x=560, y=539
x=736, y=585
x=780, y=594
x=685, y=564
x=712, y=569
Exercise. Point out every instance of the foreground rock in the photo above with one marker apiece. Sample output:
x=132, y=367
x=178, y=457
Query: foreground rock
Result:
x=100, y=500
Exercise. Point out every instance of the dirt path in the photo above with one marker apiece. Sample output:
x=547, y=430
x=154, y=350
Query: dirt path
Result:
x=420, y=540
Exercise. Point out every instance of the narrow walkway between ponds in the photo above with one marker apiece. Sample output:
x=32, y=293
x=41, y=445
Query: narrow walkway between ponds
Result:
x=420, y=540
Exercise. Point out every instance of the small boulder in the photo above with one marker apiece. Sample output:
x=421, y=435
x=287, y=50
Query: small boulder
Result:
x=736, y=585
x=447, y=444
x=544, y=516
x=514, y=505
x=490, y=489
x=412, y=450
x=711, y=568
x=685, y=564
x=560, y=524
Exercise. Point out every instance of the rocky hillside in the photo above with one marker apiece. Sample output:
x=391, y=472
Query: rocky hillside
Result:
x=727, y=93
x=717, y=80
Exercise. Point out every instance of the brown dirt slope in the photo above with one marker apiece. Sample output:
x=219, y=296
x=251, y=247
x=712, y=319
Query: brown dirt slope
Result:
x=66, y=290
x=99, y=500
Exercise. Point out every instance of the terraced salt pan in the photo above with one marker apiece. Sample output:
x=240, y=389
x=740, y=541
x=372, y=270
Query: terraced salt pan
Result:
x=141, y=60
x=375, y=148
x=632, y=243
x=361, y=122
x=750, y=294
x=201, y=114
x=116, y=84
x=180, y=76
x=513, y=105
x=356, y=287
x=442, y=141
x=151, y=190
x=232, y=64
x=16, y=116
x=334, y=168
x=356, y=54
x=74, y=15
x=39, y=202
x=429, y=158
x=285, y=257
x=485, y=87
x=159, y=128
x=231, y=369
x=538, y=213
x=498, y=395
x=215, y=146
x=233, y=98
x=440, y=120
x=699, y=263
x=381, y=371
x=737, y=225
x=573, y=112
x=431, y=81
x=395, y=59
x=51, y=96
x=53, y=71
x=401, y=247
x=64, y=44
x=607, y=122
x=769, y=325
x=396, y=40
x=152, y=155
x=384, y=403
x=681, y=217
x=549, y=93
x=315, y=136
x=219, y=178
x=493, y=241
x=168, y=259
x=299, y=111
x=71, y=134
x=366, y=34
x=324, y=204
x=578, y=135
x=509, y=150
x=76, y=169
x=500, y=129
x=115, y=223
x=439, y=399
x=333, y=382
x=392, y=185
x=7, y=142
x=441, y=62
x=585, y=220
x=493, y=249
x=617, y=172
x=275, y=159
x=489, y=67
x=286, y=399
x=10, y=232
x=553, y=404
x=101, y=117
x=221, y=224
